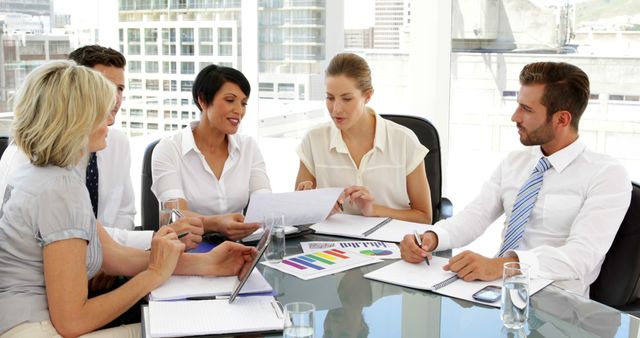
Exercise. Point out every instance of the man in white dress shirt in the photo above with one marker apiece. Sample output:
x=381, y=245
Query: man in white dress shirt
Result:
x=565, y=232
x=116, y=207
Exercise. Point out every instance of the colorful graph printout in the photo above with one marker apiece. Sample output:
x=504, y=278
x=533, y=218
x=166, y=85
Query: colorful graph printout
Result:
x=321, y=263
x=382, y=250
x=376, y=252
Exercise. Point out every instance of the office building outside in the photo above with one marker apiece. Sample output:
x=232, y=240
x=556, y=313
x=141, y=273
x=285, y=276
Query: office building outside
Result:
x=360, y=38
x=31, y=7
x=26, y=42
x=167, y=46
x=392, y=22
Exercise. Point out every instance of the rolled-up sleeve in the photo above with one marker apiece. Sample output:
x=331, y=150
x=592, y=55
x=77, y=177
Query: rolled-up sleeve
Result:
x=165, y=170
x=68, y=212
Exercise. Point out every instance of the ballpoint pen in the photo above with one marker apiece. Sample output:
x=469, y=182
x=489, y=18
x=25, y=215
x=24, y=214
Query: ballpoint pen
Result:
x=180, y=235
x=418, y=239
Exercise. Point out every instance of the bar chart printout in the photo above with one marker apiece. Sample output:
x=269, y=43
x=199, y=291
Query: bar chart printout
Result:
x=382, y=250
x=321, y=263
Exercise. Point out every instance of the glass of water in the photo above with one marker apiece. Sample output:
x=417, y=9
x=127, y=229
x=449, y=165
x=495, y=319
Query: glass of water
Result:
x=514, y=308
x=276, y=249
x=299, y=320
x=166, y=209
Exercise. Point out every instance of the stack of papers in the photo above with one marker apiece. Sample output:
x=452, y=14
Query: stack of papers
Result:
x=187, y=318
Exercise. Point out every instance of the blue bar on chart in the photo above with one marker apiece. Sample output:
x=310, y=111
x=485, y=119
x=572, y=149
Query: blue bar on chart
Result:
x=358, y=245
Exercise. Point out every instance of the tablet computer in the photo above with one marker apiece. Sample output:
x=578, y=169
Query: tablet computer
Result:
x=261, y=247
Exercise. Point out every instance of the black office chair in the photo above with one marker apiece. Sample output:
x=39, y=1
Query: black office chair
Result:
x=428, y=136
x=618, y=282
x=4, y=143
x=149, y=201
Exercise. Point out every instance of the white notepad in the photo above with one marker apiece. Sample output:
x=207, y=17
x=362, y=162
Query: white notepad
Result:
x=186, y=318
x=433, y=278
x=181, y=287
x=372, y=228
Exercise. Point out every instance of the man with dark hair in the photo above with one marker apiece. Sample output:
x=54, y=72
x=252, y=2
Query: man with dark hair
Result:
x=563, y=203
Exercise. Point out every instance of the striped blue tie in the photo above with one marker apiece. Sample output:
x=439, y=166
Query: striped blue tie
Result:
x=526, y=199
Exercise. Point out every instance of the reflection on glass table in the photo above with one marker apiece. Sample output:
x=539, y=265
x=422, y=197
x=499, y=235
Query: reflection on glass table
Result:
x=348, y=305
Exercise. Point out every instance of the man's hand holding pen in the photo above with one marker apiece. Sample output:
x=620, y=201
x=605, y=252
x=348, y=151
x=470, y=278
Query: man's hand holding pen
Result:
x=412, y=252
x=418, y=239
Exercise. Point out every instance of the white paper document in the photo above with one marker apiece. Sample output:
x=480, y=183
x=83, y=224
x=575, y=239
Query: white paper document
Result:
x=258, y=233
x=427, y=277
x=298, y=207
x=188, y=318
x=372, y=228
x=321, y=263
x=377, y=249
x=182, y=287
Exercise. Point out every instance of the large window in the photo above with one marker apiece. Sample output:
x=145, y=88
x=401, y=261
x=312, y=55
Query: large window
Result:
x=454, y=62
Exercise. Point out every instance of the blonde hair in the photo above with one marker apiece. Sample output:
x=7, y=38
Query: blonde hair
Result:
x=56, y=109
x=351, y=66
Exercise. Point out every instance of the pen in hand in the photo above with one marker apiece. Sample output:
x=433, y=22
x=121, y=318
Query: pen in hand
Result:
x=182, y=234
x=418, y=239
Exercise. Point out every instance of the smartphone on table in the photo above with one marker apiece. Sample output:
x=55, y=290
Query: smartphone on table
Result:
x=488, y=294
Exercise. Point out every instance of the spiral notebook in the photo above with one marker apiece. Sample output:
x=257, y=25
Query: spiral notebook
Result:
x=371, y=228
x=188, y=318
x=433, y=278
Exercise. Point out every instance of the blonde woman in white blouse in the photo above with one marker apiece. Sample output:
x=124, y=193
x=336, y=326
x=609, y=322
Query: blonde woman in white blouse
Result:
x=380, y=163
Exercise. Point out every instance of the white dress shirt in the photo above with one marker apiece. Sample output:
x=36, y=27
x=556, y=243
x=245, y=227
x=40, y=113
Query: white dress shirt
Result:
x=116, y=203
x=383, y=170
x=583, y=199
x=180, y=170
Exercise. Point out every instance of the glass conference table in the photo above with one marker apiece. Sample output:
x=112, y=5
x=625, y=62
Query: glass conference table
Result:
x=349, y=305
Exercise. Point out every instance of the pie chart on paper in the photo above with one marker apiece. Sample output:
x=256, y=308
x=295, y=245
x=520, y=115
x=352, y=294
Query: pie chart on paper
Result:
x=376, y=252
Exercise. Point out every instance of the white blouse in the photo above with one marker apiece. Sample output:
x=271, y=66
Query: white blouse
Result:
x=180, y=170
x=396, y=153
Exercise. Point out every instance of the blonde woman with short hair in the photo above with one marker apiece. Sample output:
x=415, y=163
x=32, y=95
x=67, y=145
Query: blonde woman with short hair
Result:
x=52, y=243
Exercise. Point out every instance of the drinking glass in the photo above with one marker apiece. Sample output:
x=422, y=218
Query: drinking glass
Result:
x=514, y=307
x=166, y=208
x=299, y=320
x=276, y=249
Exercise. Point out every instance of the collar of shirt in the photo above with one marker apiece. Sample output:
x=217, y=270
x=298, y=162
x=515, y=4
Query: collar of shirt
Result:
x=189, y=143
x=379, y=140
x=563, y=157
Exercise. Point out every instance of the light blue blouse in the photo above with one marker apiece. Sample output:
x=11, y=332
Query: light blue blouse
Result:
x=41, y=205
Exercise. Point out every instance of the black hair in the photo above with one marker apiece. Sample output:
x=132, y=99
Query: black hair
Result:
x=211, y=78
